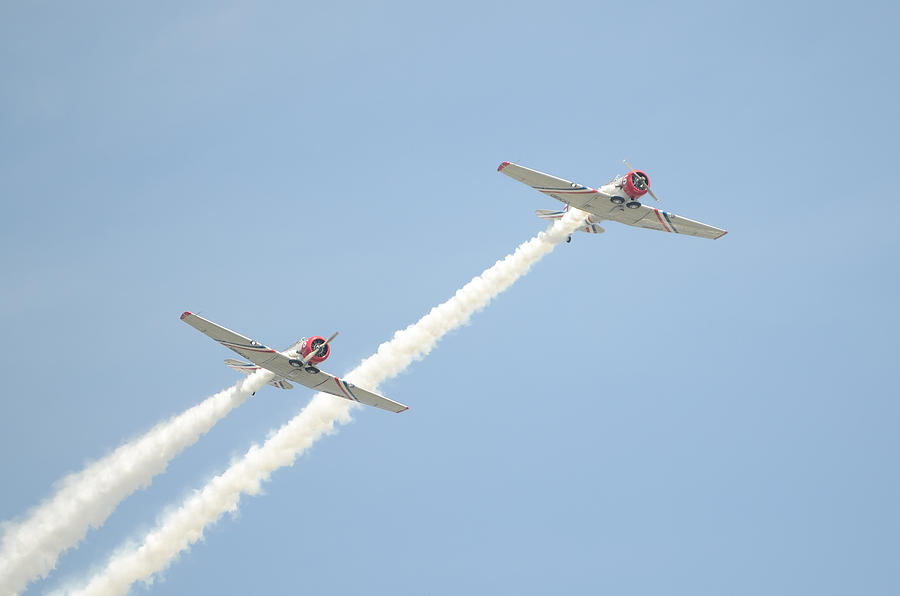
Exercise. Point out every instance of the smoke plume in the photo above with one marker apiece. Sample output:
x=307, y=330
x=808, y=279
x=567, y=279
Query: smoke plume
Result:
x=85, y=499
x=183, y=526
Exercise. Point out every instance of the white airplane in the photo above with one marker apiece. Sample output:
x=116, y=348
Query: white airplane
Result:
x=297, y=363
x=618, y=200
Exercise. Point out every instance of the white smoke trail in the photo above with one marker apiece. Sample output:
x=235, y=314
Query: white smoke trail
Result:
x=183, y=526
x=85, y=499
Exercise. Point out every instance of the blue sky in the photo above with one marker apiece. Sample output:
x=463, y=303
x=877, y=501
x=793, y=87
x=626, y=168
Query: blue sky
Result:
x=641, y=414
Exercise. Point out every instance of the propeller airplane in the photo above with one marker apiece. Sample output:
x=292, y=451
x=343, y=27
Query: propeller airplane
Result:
x=618, y=200
x=298, y=363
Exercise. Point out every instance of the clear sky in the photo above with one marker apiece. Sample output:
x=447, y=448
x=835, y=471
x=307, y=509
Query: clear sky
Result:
x=642, y=413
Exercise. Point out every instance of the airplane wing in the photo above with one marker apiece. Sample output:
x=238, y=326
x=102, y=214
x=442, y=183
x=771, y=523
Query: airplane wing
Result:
x=568, y=192
x=280, y=364
x=596, y=202
x=341, y=388
x=657, y=219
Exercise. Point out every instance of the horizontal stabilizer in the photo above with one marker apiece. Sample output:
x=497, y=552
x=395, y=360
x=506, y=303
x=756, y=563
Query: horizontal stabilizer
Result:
x=241, y=367
x=549, y=214
x=590, y=228
x=247, y=368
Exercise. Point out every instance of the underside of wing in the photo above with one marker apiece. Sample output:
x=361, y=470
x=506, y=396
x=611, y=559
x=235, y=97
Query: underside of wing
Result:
x=252, y=350
x=322, y=381
x=566, y=191
x=657, y=219
x=341, y=388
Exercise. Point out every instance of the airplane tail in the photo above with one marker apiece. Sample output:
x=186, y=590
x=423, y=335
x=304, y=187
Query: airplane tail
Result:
x=247, y=368
x=590, y=228
x=549, y=214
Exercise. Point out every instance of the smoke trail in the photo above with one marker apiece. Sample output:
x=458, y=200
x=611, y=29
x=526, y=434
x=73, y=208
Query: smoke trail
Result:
x=183, y=526
x=85, y=499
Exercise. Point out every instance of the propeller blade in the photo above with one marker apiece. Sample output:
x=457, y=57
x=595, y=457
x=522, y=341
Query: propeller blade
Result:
x=652, y=194
x=312, y=353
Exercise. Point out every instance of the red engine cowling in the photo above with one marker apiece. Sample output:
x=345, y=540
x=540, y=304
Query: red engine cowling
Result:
x=315, y=344
x=636, y=184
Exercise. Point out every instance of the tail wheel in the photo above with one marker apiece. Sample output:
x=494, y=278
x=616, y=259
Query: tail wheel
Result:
x=633, y=205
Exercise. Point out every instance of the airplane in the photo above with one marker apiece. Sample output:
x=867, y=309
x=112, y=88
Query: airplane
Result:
x=618, y=200
x=298, y=363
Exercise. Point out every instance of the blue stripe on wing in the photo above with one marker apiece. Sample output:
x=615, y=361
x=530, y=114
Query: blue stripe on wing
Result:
x=666, y=215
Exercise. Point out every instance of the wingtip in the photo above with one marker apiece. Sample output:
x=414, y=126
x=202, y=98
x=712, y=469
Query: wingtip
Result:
x=185, y=313
x=503, y=165
x=403, y=410
x=720, y=235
